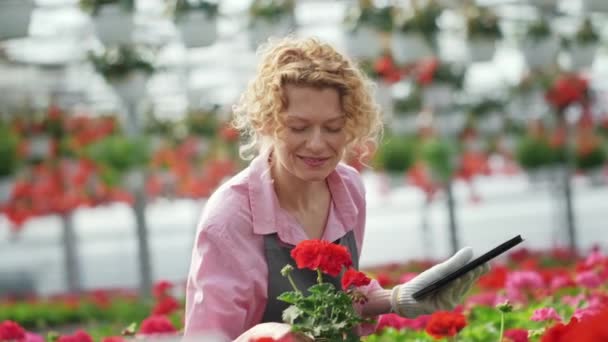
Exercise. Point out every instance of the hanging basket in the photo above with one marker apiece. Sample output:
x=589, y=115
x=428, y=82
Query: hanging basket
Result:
x=595, y=5
x=437, y=96
x=261, y=30
x=539, y=53
x=130, y=88
x=15, y=18
x=114, y=25
x=481, y=50
x=582, y=55
x=410, y=47
x=197, y=29
x=39, y=147
x=545, y=5
x=363, y=43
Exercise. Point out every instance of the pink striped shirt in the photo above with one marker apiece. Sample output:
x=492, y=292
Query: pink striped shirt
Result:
x=227, y=282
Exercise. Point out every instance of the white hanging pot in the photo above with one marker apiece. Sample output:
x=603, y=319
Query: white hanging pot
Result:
x=481, y=49
x=114, y=25
x=410, y=47
x=261, y=30
x=595, y=5
x=437, y=96
x=582, y=55
x=197, y=28
x=39, y=147
x=545, y=5
x=130, y=88
x=538, y=53
x=363, y=43
x=15, y=18
x=6, y=188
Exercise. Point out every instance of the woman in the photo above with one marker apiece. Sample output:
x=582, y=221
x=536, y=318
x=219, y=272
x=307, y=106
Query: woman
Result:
x=305, y=109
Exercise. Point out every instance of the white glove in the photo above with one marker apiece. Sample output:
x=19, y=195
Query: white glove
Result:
x=447, y=298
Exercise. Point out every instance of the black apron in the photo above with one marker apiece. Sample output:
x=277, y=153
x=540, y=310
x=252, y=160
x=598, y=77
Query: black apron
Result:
x=277, y=256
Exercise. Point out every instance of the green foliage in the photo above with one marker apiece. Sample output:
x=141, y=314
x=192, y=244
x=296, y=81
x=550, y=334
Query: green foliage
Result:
x=450, y=74
x=592, y=159
x=9, y=159
x=379, y=18
x=423, y=20
x=185, y=6
x=539, y=30
x=120, y=153
x=396, y=154
x=271, y=10
x=93, y=6
x=586, y=34
x=203, y=122
x=439, y=154
x=326, y=313
x=483, y=24
x=410, y=104
x=536, y=152
x=118, y=62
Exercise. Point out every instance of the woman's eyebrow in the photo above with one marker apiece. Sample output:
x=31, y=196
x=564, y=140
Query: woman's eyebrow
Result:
x=299, y=118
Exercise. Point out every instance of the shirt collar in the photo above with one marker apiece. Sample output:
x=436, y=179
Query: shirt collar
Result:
x=264, y=203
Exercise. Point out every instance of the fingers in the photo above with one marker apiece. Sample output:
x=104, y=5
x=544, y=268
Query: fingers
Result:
x=456, y=261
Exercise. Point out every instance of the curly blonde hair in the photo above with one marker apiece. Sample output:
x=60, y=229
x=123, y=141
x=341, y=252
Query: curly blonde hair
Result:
x=309, y=62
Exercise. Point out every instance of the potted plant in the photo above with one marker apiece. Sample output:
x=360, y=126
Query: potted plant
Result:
x=126, y=68
x=583, y=46
x=365, y=24
x=395, y=155
x=15, y=18
x=590, y=154
x=483, y=32
x=540, y=46
x=197, y=21
x=536, y=154
x=415, y=34
x=269, y=18
x=113, y=19
x=438, y=81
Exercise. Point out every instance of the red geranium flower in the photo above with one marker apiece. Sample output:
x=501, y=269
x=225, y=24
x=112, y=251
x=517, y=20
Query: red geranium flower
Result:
x=156, y=324
x=113, y=339
x=355, y=278
x=445, y=324
x=589, y=329
x=78, y=336
x=165, y=306
x=286, y=338
x=517, y=335
x=321, y=255
x=11, y=331
x=162, y=288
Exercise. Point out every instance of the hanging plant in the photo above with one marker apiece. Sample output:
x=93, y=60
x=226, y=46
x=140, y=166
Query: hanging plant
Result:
x=395, y=154
x=203, y=122
x=271, y=10
x=483, y=32
x=583, y=45
x=535, y=152
x=368, y=15
x=93, y=6
x=435, y=71
x=422, y=20
x=120, y=153
x=183, y=7
x=590, y=153
x=439, y=155
x=117, y=62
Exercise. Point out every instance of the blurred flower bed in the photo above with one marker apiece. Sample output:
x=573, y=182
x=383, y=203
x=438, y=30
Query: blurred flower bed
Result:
x=531, y=296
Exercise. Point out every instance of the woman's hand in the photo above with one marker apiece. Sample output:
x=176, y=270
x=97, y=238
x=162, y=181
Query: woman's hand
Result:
x=447, y=298
x=273, y=330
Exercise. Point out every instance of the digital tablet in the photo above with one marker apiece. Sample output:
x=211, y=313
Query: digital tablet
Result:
x=438, y=284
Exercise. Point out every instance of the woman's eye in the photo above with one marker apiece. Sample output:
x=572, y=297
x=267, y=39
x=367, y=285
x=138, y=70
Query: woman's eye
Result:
x=334, y=129
x=297, y=129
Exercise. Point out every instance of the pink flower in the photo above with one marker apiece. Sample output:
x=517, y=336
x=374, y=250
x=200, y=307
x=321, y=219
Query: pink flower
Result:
x=407, y=277
x=517, y=335
x=397, y=322
x=521, y=282
x=10, y=330
x=585, y=312
x=545, y=314
x=595, y=258
x=483, y=299
x=588, y=279
x=573, y=301
x=560, y=282
x=31, y=337
x=78, y=336
x=156, y=325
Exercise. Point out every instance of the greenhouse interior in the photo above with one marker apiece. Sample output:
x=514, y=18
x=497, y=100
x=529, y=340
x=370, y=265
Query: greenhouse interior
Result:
x=116, y=127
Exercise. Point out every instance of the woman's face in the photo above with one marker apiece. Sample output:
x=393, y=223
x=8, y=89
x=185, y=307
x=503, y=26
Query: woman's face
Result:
x=313, y=140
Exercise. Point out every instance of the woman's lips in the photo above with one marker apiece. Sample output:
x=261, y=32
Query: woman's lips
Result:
x=313, y=162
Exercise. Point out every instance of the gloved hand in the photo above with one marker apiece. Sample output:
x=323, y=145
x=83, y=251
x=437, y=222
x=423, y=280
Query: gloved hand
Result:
x=447, y=298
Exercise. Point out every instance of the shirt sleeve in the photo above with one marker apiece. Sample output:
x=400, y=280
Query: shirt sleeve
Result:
x=220, y=296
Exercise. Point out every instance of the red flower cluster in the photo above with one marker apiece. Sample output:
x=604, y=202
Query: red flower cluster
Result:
x=354, y=278
x=156, y=324
x=321, y=255
x=11, y=331
x=78, y=336
x=426, y=71
x=591, y=329
x=286, y=338
x=445, y=324
x=165, y=303
x=566, y=90
x=516, y=335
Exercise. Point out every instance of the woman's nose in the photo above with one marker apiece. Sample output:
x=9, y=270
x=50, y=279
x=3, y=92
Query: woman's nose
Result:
x=316, y=140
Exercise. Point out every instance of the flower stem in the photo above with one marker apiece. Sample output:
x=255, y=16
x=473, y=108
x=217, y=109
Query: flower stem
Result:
x=319, y=276
x=295, y=288
x=502, y=326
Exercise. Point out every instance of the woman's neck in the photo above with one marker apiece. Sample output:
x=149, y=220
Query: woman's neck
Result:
x=293, y=193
